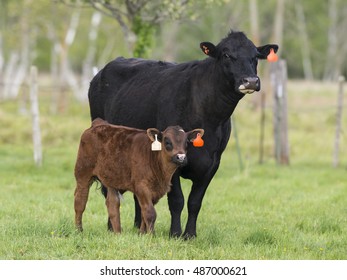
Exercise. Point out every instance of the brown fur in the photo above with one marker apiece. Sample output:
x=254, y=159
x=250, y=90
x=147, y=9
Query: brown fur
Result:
x=121, y=159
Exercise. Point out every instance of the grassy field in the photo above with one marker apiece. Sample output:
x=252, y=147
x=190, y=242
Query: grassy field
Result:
x=261, y=212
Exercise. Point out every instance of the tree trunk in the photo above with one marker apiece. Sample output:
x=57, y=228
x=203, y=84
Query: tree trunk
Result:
x=9, y=73
x=253, y=8
x=305, y=46
x=278, y=26
x=87, y=67
x=67, y=77
x=1, y=61
x=3, y=19
x=330, y=65
x=23, y=67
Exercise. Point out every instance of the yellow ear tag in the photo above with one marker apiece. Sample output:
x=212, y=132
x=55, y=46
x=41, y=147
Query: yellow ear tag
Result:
x=156, y=145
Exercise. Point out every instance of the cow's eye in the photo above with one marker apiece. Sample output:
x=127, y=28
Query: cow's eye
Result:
x=229, y=56
x=168, y=144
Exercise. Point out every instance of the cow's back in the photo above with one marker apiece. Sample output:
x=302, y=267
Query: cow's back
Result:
x=117, y=74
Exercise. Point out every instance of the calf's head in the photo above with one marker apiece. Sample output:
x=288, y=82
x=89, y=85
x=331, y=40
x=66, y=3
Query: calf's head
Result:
x=238, y=58
x=174, y=142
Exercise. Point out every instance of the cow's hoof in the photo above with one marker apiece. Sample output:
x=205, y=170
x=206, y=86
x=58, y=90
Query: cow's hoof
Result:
x=189, y=236
x=175, y=234
x=137, y=224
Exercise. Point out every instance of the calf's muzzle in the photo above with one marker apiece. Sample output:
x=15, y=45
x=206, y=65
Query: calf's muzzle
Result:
x=180, y=159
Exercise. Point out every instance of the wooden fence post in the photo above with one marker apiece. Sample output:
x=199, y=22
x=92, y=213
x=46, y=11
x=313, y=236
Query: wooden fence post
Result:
x=35, y=115
x=338, y=122
x=280, y=118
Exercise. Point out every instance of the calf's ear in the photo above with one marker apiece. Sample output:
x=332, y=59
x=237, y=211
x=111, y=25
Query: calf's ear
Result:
x=208, y=49
x=151, y=132
x=263, y=51
x=193, y=134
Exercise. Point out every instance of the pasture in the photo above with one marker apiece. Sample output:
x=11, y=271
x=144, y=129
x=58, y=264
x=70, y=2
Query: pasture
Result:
x=265, y=211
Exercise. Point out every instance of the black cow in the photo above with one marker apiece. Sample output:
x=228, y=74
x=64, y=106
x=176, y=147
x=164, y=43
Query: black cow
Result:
x=146, y=93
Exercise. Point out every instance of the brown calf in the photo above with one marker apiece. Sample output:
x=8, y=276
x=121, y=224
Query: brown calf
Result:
x=121, y=159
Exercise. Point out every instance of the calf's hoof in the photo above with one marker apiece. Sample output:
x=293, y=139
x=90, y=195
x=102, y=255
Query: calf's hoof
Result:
x=109, y=225
x=79, y=229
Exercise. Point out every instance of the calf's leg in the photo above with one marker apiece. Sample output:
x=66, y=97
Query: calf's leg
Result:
x=113, y=204
x=104, y=193
x=148, y=218
x=81, y=198
x=148, y=213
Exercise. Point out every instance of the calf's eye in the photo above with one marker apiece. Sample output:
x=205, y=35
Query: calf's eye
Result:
x=168, y=144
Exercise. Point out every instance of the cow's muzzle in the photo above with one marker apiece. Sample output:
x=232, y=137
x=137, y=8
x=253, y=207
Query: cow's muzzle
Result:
x=180, y=159
x=249, y=85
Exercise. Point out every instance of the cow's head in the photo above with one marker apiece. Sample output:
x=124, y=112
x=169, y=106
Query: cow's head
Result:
x=238, y=57
x=174, y=142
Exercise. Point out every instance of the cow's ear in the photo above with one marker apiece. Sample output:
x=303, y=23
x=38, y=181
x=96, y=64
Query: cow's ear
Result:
x=193, y=134
x=151, y=132
x=208, y=49
x=263, y=51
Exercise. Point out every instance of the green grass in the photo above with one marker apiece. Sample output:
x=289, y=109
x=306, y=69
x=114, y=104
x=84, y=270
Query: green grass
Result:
x=261, y=212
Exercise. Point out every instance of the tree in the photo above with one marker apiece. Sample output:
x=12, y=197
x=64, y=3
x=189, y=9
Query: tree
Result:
x=139, y=19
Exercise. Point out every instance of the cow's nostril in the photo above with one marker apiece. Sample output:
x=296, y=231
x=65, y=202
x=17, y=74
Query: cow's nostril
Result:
x=245, y=81
x=250, y=82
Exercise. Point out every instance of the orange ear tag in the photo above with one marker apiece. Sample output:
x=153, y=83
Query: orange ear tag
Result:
x=198, y=142
x=272, y=57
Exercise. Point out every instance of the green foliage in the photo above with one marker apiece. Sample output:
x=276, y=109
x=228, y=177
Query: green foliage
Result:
x=198, y=20
x=145, y=36
x=262, y=212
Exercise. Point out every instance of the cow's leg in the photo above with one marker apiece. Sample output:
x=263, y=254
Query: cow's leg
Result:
x=80, y=201
x=104, y=192
x=194, y=204
x=113, y=204
x=176, y=204
x=198, y=190
x=196, y=196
